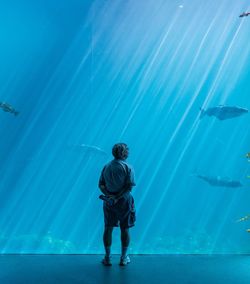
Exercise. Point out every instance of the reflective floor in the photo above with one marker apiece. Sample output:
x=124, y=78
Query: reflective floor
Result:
x=86, y=269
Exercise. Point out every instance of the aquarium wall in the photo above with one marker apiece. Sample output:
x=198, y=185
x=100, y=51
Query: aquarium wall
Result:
x=169, y=78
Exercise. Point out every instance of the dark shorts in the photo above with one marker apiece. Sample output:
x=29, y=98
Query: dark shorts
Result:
x=122, y=213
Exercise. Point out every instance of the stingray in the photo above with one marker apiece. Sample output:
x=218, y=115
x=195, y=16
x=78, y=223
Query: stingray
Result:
x=89, y=149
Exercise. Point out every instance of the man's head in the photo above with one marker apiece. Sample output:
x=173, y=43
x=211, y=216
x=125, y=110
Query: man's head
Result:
x=120, y=151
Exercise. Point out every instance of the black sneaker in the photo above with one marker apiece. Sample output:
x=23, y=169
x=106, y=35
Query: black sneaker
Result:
x=124, y=260
x=107, y=261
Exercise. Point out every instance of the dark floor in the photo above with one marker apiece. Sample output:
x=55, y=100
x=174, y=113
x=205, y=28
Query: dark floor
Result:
x=192, y=269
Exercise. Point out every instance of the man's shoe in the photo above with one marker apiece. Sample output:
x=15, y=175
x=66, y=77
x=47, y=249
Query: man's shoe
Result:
x=107, y=261
x=124, y=260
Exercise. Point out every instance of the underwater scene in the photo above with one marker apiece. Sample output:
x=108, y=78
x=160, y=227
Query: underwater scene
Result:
x=170, y=78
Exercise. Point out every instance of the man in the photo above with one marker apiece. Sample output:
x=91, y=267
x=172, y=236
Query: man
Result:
x=116, y=182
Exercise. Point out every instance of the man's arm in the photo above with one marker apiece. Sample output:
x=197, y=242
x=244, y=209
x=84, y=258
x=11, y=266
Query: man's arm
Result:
x=103, y=189
x=102, y=184
x=118, y=196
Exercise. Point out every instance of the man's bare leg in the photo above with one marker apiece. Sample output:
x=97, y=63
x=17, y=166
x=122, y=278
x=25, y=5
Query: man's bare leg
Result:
x=125, y=240
x=107, y=240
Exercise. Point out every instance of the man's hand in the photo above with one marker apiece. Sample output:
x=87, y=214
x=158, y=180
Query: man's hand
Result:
x=113, y=198
x=103, y=189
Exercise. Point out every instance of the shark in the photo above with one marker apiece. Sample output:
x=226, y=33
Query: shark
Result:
x=220, y=181
x=223, y=112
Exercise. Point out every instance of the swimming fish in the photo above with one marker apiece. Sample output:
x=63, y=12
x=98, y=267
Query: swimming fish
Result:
x=223, y=112
x=244, y=14
x=219, y=181
x=245, y=218
x=248, y=155
x=248, y=230
x=90, y=149
x=8, y=108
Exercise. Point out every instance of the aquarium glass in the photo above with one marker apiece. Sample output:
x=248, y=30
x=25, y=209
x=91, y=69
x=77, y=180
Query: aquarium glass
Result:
x=168, y=77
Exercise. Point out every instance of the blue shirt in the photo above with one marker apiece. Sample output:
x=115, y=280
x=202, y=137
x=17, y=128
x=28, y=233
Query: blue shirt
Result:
x=117, y=175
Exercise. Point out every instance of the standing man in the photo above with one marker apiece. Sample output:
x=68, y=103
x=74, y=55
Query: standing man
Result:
x=116, y=182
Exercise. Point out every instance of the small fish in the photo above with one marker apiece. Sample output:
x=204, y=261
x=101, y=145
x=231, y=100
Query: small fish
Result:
x=244, y=14
x=223, y=112
x=248, y=230
x=8, y=108
x=248, y=155
x=245, y=218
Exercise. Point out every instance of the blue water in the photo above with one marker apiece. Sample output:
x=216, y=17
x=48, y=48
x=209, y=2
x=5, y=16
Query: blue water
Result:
x=99, y=72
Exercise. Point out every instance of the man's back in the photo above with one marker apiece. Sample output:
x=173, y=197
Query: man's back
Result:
x=116, y=175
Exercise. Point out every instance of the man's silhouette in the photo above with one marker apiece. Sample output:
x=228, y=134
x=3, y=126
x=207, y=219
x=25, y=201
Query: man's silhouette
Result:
x=116, y=182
